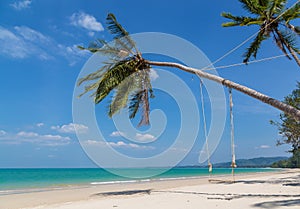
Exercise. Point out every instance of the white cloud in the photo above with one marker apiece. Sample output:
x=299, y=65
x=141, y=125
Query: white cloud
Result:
x=51, y=156
x=145, y=137
x=153, y=75
x=23, y=42
x=89, y=22
x=19, y=5
x=263, y=147
x=32, y=35
x=117, y=134
x=40, y=124
x=33, y=135
x=54, y=137
x=91, y=34
x=74, y=50
x=13, y=45
x=2, y=133
x=179, y=150
x=71, y=128
x=27, y=134
x=119, y=144
x=72, y=53
x=35, y=138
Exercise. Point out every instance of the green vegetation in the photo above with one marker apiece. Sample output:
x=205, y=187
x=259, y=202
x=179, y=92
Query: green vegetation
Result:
x=274, y=20
x=289, y=130
x=261, y=162
x=293, y=162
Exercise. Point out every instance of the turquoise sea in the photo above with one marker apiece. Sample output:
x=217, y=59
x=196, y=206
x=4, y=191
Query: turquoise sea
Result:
x=20, y=179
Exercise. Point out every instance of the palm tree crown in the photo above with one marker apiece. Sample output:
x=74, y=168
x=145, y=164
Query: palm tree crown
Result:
x=125, y=73
x=274, y=20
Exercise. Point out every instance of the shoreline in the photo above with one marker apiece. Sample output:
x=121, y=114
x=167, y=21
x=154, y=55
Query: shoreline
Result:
x=63, y=185
x=66, y=186
x=87, y=193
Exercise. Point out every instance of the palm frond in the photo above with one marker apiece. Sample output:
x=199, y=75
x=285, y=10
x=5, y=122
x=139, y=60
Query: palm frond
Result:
x=111, y=50
x=146, y=85
x=124, y=90
x=276, y=7
x=140, y=100
x=114, y=76
x=292, y=13
x=89, y=88
x=281, y=44
x=263, y=3
x=135, y=104
x=95, y=75
x=145, y=108
x=290, y=40
x=254, y=46
x=120, y=33
x=120, y=99
x=254, y=6
x=240, y=20
x=297, y=30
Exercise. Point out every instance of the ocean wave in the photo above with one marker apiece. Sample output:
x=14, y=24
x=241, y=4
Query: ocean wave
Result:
x=114, y=182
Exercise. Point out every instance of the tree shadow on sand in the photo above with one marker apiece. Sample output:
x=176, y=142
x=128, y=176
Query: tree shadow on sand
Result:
x=290, y=181
x=121, y=193
x=278, y=203
x=230, y=196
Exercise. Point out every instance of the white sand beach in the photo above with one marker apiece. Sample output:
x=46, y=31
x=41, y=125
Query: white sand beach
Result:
x=260, y=190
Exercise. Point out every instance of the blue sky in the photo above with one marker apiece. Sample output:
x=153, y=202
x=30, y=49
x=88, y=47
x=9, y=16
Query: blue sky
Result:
x=40, y=64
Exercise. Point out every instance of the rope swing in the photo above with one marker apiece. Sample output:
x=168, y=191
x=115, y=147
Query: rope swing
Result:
x=233, y=163
x=233, y=160
x=205, y=130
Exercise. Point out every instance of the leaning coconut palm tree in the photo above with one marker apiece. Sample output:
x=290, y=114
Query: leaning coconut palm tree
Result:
x=274, y=20
x=126, y=73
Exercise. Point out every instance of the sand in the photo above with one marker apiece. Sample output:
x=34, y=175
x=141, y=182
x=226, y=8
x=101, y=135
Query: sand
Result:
x=261, y=190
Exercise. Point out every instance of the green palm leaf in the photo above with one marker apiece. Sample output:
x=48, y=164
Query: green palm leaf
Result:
x=124, y=90
x=140, y=100
x=95, y=75
x=114, y=76
x=281, y=44
x=271, y=17
x=276, y=7
x=254, y=6
x=290, y=40
x=120, y=33
x=240, y=20
x=254, y=46
x=292, y=13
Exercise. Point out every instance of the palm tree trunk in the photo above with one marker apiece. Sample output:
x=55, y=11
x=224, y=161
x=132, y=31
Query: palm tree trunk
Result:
x=294, y=112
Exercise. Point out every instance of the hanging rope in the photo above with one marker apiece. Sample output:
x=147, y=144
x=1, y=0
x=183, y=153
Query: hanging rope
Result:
x=233, y=163
x=250, y=62
x=205, y=129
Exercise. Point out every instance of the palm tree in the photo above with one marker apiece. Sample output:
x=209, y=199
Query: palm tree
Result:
x=127, y=74
x=274, y=20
